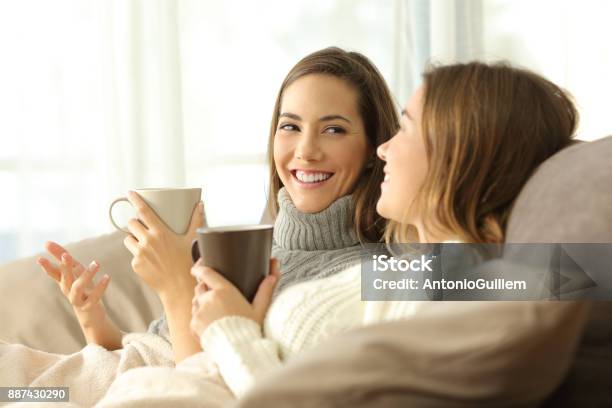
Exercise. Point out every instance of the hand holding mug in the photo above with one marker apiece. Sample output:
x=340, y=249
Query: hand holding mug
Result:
x=161, y=255
x=216, y=297
x=241, y=253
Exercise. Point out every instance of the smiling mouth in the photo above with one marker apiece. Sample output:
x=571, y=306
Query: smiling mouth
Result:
x=311, y=178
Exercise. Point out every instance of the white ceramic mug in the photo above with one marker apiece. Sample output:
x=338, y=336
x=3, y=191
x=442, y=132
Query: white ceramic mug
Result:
x=174, y=206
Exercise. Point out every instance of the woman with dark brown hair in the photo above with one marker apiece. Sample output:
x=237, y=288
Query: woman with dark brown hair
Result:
x=355, y=85
x=332, y=110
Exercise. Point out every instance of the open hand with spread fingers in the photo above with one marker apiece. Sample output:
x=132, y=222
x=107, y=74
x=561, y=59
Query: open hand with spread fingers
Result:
x=77, y=284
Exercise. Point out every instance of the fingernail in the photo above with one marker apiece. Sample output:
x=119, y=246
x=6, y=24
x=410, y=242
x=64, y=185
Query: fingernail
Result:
x=93, y=264
x=106, y=278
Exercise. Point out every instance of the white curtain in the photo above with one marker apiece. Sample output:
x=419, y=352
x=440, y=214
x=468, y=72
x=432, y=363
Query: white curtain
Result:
x=568, y=41
x=434, y=31
x=91, y=106
x=99, y=96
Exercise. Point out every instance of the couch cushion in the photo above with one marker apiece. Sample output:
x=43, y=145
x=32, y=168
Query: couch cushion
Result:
x=450, y=354
x=34, y=312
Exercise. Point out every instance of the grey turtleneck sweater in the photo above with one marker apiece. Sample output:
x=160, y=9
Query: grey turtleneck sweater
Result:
x=308, y=246
x=312, y=246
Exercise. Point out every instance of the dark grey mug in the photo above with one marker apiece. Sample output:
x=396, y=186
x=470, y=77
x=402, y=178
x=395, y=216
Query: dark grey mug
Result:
x=240, y=253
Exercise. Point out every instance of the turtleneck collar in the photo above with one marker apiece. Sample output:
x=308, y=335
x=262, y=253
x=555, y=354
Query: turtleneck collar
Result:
x=326, y=230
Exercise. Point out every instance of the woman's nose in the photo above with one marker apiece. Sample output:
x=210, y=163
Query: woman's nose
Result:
x=308, y=148
x=381, y=151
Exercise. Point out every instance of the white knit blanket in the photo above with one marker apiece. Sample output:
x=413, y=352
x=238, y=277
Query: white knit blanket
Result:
x=88, y=373
x=195, y=382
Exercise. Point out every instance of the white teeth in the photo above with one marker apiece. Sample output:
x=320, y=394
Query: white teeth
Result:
x=311, y=177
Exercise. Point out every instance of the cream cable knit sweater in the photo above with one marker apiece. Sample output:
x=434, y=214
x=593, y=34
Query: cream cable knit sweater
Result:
x=320, y=296
x=301, y=317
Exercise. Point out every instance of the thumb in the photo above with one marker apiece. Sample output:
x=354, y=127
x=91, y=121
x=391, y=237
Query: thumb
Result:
x=197, y=219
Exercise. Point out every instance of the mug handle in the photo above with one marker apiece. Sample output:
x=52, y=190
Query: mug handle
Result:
x=195, y=251
x=110, y=213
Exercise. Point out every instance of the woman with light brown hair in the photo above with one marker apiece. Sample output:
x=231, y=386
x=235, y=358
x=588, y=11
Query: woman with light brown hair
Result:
x=470, y=137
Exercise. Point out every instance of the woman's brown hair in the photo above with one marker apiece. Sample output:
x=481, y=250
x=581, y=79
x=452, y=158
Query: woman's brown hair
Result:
x=378, y=113
x=486, y=128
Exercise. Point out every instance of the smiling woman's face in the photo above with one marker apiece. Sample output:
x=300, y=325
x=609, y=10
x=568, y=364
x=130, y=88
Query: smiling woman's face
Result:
x=406, y=165
x=320, y=146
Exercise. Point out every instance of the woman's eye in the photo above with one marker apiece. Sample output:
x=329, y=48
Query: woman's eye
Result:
x=288, y=127
x=335, y=129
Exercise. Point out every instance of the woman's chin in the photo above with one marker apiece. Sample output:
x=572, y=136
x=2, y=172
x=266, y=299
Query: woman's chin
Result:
x=309, y=201
x=382, y=209
x=310, y=206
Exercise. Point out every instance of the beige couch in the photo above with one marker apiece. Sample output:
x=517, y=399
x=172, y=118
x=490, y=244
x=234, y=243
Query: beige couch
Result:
x=569, y=199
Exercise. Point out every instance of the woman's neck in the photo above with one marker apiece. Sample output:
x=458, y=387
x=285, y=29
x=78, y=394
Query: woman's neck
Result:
x=329, y=229
x=432, y=236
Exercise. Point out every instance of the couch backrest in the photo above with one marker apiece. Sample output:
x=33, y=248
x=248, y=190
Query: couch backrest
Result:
x=569, y=200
